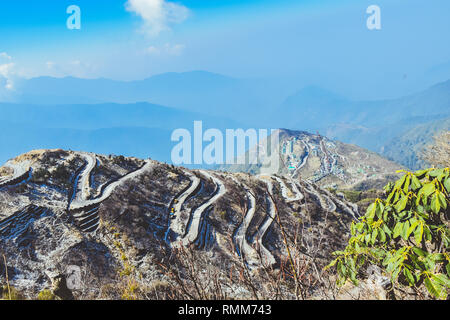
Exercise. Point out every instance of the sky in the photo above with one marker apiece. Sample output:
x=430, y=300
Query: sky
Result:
x=309, y=42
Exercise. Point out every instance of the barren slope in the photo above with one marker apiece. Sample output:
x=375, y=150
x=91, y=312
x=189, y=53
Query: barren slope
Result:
x=125, y=219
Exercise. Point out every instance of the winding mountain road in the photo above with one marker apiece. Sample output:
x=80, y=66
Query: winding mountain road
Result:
x=242, y=246
x=298, y=196
x=268, y=259
x=177, y=225
x=78, y=203
x=329, y=204
x=85, y=211
x=197, y=216
x=304, y=160
x=21, y=172
x=82, y=187
x=325, y=201
x=353, y=211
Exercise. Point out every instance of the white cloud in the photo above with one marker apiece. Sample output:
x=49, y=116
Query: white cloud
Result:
x=4, y=55
x=6, y=69
x=50, y=64
x=166, y=49
x=158, y=15
x=9, y=84
x=7, y=72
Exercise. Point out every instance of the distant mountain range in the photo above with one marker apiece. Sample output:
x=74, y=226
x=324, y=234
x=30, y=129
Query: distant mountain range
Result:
x=408, y=147
x=196, y=91
x=375, y=125
x=139, y=129
x=367, y=123
x=174, y=100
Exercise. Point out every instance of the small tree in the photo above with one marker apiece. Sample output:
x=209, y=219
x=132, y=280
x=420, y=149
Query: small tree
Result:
x=407, y=235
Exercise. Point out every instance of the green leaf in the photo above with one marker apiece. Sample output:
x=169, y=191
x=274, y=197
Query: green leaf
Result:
x=435, y=204
x=405, y=230
x=436, y=172
x=401, y=205
x=418, y=234
x=360, y=227
x=409, y=276
x=339, y=268
x=431, y=288
x=400, y=182
x=367, y=238
x=428, y=189
x=353, y=277
x=389, y=198
x=382, y=236
x=429, y=263
x=421, y=173
x=415, y=183
x=371, y=212
x=421, y=212
x=379, y=210
x=419, y=252
x=378, y=253
x=437, y=257
x=447, y=184
x=442, y=279
x=427, y=232
x=398, y=229
x=407, y=182
x=386, y=230
x=386, y=214
x=374, y=236
x=397, y=195
x=414, y=224
x=395, y=273
x=442, y=200
x=435, y=288
x=332, y=263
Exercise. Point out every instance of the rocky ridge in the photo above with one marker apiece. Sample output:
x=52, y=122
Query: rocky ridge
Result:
x=143, y=229
x=325, y=162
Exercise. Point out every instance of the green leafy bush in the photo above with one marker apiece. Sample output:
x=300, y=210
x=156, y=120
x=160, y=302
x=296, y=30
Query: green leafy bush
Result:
x=407, y=234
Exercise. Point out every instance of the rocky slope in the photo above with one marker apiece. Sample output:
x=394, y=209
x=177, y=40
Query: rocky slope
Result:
x=409, y=147
x=328, y=163
x=143, y=229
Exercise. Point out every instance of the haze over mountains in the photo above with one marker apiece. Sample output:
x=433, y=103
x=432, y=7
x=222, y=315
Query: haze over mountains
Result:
x=138, y=129
x=196, y=91
x=129, y=118
x=367, y=123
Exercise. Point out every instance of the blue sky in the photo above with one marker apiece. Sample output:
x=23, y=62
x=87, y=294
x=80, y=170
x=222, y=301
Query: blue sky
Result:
x=317, y=42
